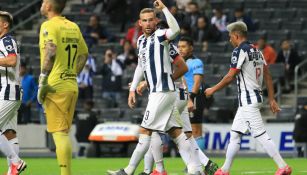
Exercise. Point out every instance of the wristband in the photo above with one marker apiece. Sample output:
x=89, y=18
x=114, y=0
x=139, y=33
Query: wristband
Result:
x=192, y=96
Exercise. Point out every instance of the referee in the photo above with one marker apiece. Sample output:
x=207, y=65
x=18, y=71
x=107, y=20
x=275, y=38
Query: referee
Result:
x=194, y=81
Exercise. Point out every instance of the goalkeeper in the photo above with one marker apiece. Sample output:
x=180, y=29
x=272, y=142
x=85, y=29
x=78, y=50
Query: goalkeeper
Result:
x=63, y=55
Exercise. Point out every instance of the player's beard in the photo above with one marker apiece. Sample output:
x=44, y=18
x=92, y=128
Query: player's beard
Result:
x=148, y=31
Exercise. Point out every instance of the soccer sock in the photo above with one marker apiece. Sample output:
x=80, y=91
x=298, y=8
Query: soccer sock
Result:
x=138, y=153
x=270, y=148
x=15, y=146
x=7, y=149
x=200, y=142
x=63, y=151
x=202, y=157
x=157, y=151
x=232, y=149
x=188, y=154
x=148, y=161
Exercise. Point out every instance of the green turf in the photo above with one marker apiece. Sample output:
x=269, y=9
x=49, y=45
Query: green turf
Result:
x=256, y=166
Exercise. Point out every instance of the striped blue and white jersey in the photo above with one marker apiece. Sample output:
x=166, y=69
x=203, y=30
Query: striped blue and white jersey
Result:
x=155, y=58
x=250, y=61
x=9, y=76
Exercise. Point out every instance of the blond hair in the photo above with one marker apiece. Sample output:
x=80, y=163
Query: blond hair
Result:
x=6, y=16
x=148, y=10
x=238, y=27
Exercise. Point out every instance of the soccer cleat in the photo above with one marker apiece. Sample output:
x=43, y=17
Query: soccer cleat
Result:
x=118, y=172
x=284, y=171
x=16, y=169
x=220, y=172
x=143, y=173
x=211, y=168
x=155, y=172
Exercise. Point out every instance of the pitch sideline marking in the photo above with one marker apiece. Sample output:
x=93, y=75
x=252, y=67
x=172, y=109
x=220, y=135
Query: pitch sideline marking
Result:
x=261, y=172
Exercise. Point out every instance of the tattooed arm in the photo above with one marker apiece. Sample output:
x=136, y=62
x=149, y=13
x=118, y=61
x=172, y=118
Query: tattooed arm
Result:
x=50, y=53
x=81, y=60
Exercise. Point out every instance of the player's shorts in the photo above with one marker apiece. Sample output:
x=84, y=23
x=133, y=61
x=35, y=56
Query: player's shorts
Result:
x=248, y=118
x=8, y=114
x=161, y=114
x=199, y=103
x=59, y=108
x=181, y=103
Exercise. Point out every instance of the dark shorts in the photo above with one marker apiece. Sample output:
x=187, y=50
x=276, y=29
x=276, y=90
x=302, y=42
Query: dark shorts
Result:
x=198, y=112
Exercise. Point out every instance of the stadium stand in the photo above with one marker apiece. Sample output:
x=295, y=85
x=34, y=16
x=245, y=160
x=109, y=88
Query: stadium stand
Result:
x=276, y=19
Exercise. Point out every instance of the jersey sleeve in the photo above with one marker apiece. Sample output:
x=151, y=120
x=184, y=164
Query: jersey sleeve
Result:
x=237, y=58
x=173, y=52
x=82, y=46
x=161, y=35
x=48, y=33
x=9, y=46
x=197, y=67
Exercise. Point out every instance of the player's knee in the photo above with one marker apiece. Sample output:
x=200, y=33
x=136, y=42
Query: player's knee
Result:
x=262, y=137
x=174, y=132
x=10, y=134
x=145, y=131
x=235, y=137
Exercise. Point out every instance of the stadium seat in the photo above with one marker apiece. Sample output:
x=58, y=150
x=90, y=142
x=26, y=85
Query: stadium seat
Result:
x=209, y=69
x=216, y=4
x=299, y=35
x=270, y=25
x=211, y=80
x=277, y=70
x=254, y=4
x=278, y=35
x=262, y=14
x=287, y=114
x=293, y=25
x=29, y=39
x=277, y=4
x=233, y=4
x=254, y=36
x=302, y=4
x=285, y=14
x=111, y=114
x=301, y=13
x=219, y=47
x=220, y=59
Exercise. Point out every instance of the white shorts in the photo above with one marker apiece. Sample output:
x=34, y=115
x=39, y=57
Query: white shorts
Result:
x=248, y=118
x=8, y=114
x=161, y=114
x=183, y=111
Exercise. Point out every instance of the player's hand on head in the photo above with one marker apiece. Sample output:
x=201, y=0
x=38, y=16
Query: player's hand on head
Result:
x=274, y=106
x=158, y=4
x=131, y=99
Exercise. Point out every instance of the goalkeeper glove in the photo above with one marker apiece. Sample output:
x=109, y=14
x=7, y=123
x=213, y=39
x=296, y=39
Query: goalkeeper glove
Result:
x=43, y=88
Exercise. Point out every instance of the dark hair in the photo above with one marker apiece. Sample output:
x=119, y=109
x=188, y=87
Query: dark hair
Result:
x=23, y=64
x=240, y=9
x=89, y=103
x=187, y=39
x=6, y=16
x=263, y=37
x=193, y=3
x=283, y=40
x=58, y=5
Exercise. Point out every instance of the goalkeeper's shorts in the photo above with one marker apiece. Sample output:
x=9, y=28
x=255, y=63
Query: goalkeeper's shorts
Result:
x=59, y=108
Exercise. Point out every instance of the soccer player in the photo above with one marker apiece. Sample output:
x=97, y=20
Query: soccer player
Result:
x=181, y=104
x=155, y=65
x=63, y=55
x=9, y=95
x=250, y=69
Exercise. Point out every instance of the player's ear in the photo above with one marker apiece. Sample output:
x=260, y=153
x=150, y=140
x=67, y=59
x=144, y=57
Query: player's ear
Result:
x=140, y=22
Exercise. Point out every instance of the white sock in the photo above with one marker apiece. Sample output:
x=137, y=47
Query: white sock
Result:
x=188, y=154
x=148, y=161
x=138, y=153
x=15, y=145
x=157, y=151
x=202, y=157
x=232, y=149
x=271, y=149
x=7, y=149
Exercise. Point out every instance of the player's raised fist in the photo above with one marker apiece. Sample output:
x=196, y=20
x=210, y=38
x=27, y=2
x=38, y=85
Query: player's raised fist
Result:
x=158, y=4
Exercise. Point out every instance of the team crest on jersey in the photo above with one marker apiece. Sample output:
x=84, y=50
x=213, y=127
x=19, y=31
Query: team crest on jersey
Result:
x=234, y=60
x=45, y=33
x=9, y=47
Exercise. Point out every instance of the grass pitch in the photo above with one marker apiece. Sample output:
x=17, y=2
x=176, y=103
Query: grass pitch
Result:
x=174, y=166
